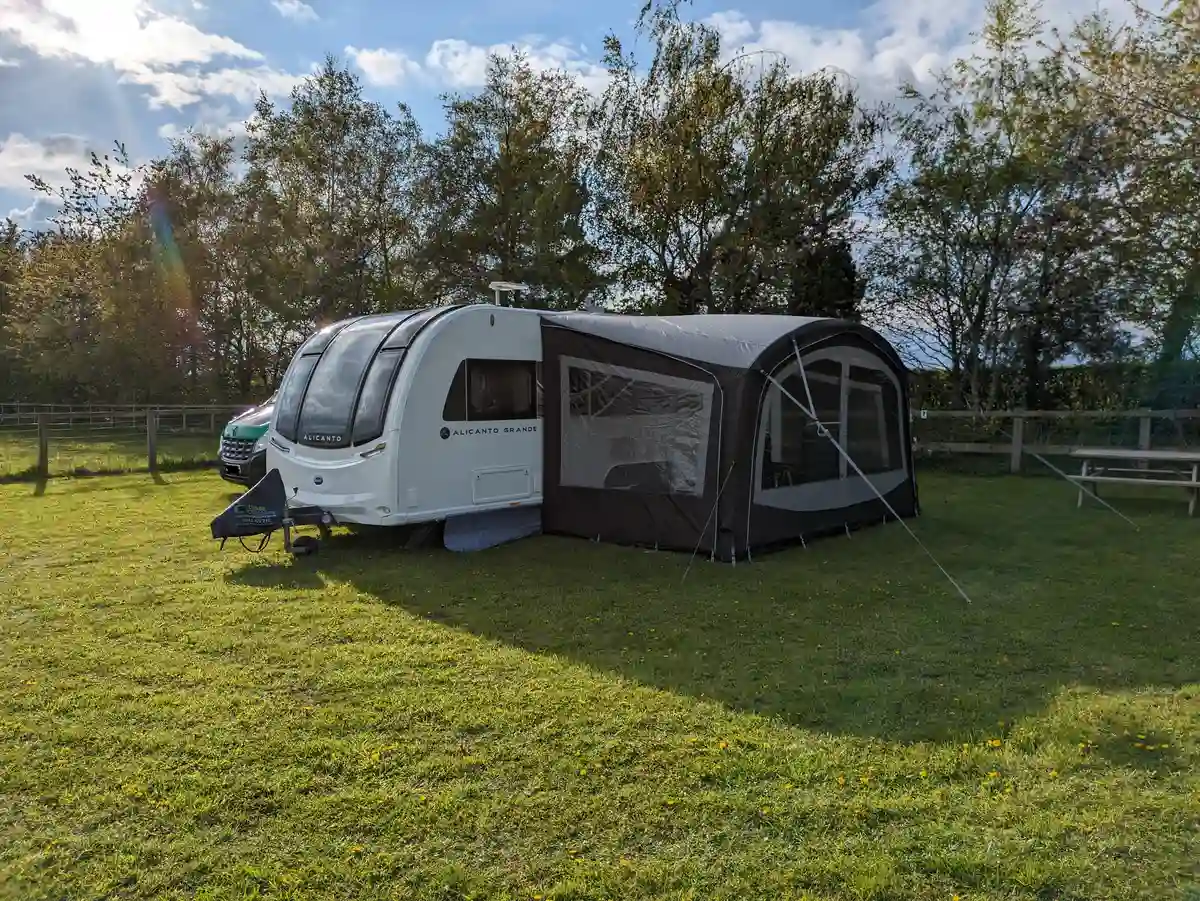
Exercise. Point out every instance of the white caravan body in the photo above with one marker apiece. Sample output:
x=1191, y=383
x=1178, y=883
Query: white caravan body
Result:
x=413, y=416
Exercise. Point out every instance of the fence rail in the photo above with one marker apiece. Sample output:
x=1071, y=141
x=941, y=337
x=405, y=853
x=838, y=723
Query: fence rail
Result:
x=40, y=440
x=1050, y=433
x=115, y=416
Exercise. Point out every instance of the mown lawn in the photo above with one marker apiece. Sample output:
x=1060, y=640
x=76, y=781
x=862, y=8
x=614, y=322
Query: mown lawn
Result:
x=561, y=719
x=99, y=452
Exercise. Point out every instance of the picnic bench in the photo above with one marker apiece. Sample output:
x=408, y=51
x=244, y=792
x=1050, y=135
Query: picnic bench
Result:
x=1163, y=468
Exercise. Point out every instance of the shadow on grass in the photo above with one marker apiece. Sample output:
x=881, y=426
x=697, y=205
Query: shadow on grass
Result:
x=299, y=575
x=855, y=635
x=1125, y=742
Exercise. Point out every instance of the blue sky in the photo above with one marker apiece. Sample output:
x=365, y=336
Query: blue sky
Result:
x=77, y=74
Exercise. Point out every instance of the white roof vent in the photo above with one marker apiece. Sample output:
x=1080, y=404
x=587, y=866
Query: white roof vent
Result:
x=502, y=288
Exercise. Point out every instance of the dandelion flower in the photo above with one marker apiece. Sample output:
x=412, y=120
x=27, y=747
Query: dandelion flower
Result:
x=841, y=780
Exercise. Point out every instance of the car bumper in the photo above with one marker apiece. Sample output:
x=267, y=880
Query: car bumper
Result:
x=245, y=472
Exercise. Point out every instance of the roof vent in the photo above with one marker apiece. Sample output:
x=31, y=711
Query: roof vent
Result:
x=506, y=288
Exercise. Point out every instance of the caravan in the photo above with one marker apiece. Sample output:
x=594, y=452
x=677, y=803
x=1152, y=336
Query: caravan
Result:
x=413, y=416
x=715, y=433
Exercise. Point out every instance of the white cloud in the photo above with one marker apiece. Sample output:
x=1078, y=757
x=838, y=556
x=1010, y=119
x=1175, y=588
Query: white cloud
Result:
x=36, y=216
x=8, y=63
x=295, y=10
x=181, y=89
x=126, y=34
x=384, y=67
x=900, y=40
x=214, y=121
x=164, y=53
x=463, y=65
x=47, y=157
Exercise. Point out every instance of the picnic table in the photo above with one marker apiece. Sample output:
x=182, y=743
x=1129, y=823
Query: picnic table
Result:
x=1171, y=469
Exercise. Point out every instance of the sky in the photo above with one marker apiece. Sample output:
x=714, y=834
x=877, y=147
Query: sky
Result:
x=77, y=75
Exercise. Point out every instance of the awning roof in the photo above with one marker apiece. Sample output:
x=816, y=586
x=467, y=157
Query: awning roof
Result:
x=735, y=340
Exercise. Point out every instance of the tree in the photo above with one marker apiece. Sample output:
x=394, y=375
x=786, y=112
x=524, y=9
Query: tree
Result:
x=503, y=192
x=824, y=281
x=994, y=253
x=1143, y=79
x=340, y=172
x=713, y=181
x=11, y=260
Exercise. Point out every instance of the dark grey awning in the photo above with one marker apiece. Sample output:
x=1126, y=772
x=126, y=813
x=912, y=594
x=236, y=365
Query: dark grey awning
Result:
x=735, y=340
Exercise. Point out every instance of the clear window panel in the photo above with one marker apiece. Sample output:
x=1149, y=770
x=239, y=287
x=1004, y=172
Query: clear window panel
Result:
x=373, y=403
x=626, y=430
x=797, y=450
x=329, y=403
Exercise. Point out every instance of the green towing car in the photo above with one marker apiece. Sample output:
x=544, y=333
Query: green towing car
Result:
x=243, y=452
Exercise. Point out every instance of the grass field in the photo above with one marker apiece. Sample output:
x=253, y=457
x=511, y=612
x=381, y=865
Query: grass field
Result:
x=98, y=452
x=561, y=719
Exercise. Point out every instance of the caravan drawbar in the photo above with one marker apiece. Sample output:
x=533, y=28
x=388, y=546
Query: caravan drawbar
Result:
x=680, y=432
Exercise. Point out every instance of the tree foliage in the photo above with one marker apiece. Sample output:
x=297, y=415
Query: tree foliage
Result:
x=503, y=193
x=715, y=177
x=1036, y=207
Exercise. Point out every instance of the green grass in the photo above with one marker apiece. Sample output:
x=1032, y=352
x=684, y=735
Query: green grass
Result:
x=100, y=452
x=570, y=720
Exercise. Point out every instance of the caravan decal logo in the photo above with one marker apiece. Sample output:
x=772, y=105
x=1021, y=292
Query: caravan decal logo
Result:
x=493, y=430
x=256, y=515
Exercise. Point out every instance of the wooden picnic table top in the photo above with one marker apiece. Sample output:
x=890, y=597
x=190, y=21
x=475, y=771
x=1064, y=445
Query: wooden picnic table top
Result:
x=1178, y=455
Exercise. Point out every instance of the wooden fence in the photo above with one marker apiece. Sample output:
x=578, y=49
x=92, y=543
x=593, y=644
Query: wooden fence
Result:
x=937, y=433
x=117, y=417
x=1050, y=433
x=47, y=426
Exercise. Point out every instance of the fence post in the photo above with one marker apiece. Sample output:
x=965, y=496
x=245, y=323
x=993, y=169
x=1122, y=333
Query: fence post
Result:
x=1018, y=442
x=1144, y=431
x=43, y=461
x=152, y=440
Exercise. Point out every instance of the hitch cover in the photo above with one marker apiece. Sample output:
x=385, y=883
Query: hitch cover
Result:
x=259, y=511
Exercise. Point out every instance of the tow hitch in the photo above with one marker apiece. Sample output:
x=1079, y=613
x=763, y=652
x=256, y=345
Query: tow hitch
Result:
x=263, y=510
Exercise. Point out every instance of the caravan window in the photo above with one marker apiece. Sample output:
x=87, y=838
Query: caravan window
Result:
x=492, y=391
x=372, y=404
x=336, y=392
x=332, y=390
x=287, y=410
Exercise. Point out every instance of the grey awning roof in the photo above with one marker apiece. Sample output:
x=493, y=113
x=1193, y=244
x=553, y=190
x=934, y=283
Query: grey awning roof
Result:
x=723, y=339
